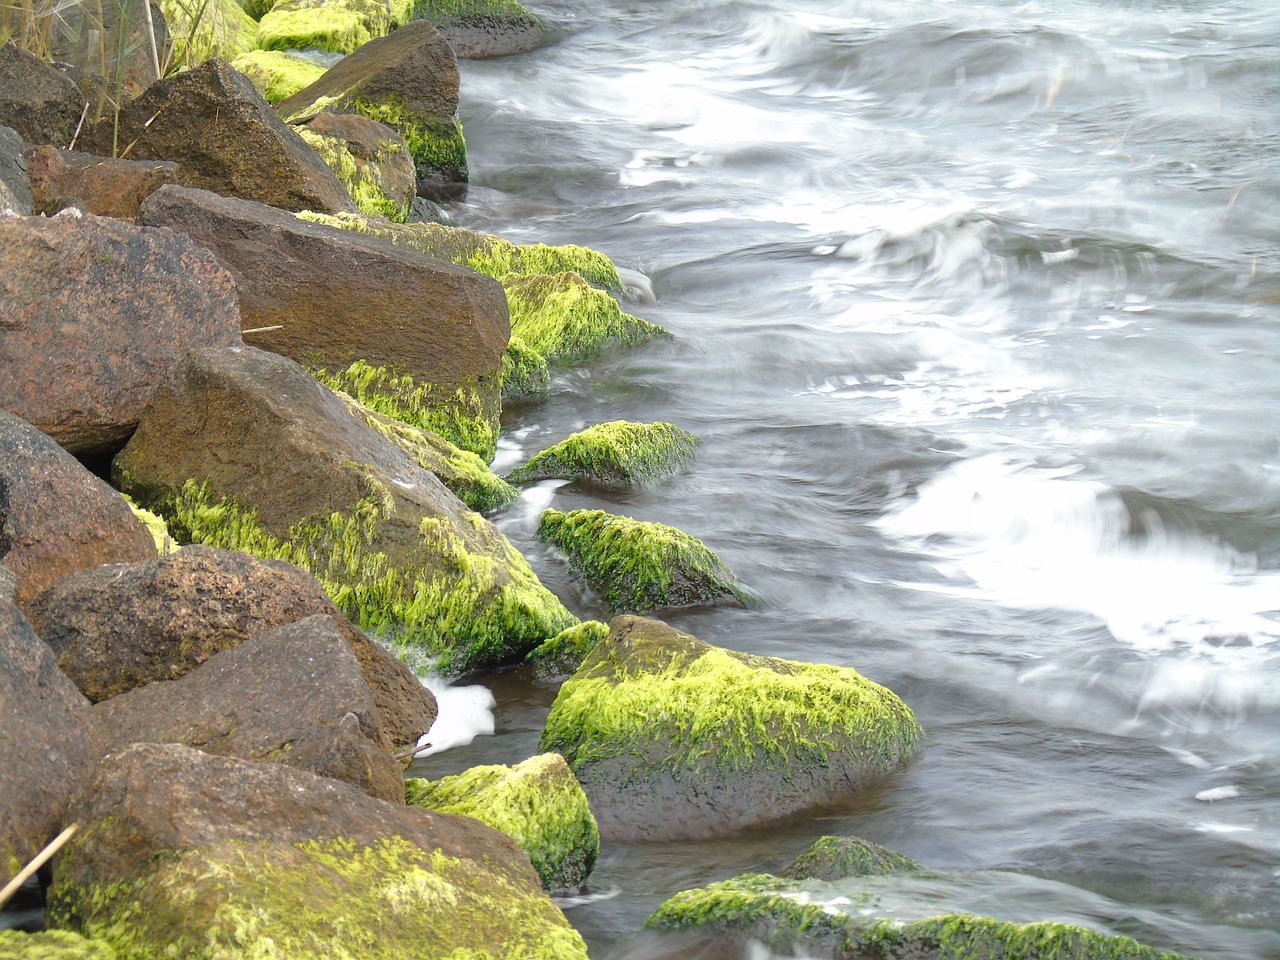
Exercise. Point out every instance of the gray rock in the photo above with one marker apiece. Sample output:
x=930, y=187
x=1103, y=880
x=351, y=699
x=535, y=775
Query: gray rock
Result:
x=15, y=181
x=39, y=102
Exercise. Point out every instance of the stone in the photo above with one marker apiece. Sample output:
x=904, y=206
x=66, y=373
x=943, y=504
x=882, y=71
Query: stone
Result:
x=246, y=450
x=115, y=629
x=636, y=566
x=93, y=312
x=560, y=657
x=407, y=80
x=55, y=516
x=482, y=29
x=52, y=945
x=618, y=455
x=112, y=49
x=207, y=30
x=41, y=104
x=370, y=159
x=8, y=585
x=50, y=746
x=293, y=695
x=538, y=803
x=337, y=297
x=190, y=855
x=99, y=185
x=835, y=858
x=15, y=177
x=224, y=137
x=673, y=738
x=339, y=26
x=277, y=74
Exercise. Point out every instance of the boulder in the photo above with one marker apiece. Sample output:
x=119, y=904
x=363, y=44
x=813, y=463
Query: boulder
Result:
x=618, y=455
x=340, y=26
x=55, y=516
x=49, y=747
x=673, y=738
x=407, y=80
x=15, y=177
x=336, y=297
x=42, y=104
x=207, y=30
x=835, y=858
x=245, y=450
x=525, y=374
x=224, y=137
x=636, y=566
x=99, y=185
x=52, y=945
x=120, y=628
x=294, y=695
x=190, y=855
x=277, y=74
x=94, y=312
x=561, y=656
x=370, y=159
x=8, y=585
x=481, y=29
x=538, y=803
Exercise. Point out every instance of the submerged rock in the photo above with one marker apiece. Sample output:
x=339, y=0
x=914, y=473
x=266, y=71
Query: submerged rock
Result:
x=674, y=738
x=481, y=29
x=537, y=803
x=834, y=858
x=561, y=656
x=616, y=455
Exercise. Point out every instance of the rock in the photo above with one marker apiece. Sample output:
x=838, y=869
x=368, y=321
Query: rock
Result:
x=340, y=26
x=407, y=80
x=561, y=656
x=337, y=297
x=41, y=104
x=52, y=945
x=112, y=50
x=120, y=628
x=618, y=455
x=537, y=803
x=49, y=748
x=210, y=29
x=635, y=566
x=834, y=858
x=525, y=374
x=481, y=29
x=673, y=738
x=55, y=516
x=293, y=695
x=97, y=185
x=93, y=314
x=15, y=178
x=225, y=138
x=277, y=74
x=190, y=855
x=8, y=585
x=284, y=468
x=370, y=159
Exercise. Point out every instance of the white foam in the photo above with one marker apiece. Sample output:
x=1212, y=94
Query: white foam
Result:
x=464, y=714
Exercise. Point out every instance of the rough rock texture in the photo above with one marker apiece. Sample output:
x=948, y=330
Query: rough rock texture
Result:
x=481, y=29
x=55, y=516
x=15, y=178
x=370, y=159
x=48, y=748
x=42, y=104
x=108, y=48
x=537, y=803
x=120, y=628
x=617, y=455
x=293, y=695
x=407, y=80
x=834, y=858
x=195, y=856
x=560, y=657
x=674, y=738
x=100, y=185
x=285, y=468
x=339, y=297
x=8, y=585
x=93, y=313
x=225, y=138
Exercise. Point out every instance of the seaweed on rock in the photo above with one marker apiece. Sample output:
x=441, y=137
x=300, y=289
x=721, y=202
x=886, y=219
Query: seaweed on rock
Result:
x=616, y=455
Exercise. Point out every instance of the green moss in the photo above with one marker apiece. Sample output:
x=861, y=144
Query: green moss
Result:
x=637, y=566
x=436, y=144
x=565, y=319
x=359, y=177
x=538, y=803
x=616, y=455
x=833, y=858
x=277, y=74
x=561, y=656
x=524, y=372
x=455, y=11
x=52, y=945
x=200, y=32
x=326, y=28
x=155, y=524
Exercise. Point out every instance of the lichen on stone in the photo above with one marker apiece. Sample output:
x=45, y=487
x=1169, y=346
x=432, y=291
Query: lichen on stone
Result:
x=437, y=145
x=560, y=657
x=615, y=455
x=277, y=74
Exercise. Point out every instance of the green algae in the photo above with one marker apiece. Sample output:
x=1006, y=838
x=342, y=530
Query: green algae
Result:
x=616, y=455
x=538, y=803
x=453, y=11
x=335, y=29
x=358, y=176
x=564, y=653
x=52, y=945
x=638, y=566
x=834, y=858
x=156, y=526
x=277, y=74
x=524, y=373
x=200, y=32
x=436, y=144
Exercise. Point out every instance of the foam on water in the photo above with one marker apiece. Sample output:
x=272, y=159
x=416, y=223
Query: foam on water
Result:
x=464, y=713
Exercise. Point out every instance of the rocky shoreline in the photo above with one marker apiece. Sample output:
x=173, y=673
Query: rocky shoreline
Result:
x=250, y=388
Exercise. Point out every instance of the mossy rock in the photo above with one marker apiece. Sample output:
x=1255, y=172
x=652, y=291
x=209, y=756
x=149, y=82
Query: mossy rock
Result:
x=165, y=543
x=787, y=915
x=356, y=176
x=200, y=32
x=638, y=566
x=616, y=455
x=537, y=803
x=525, y=374
x=340, y=26
x=277, y=74
x=479, y=29
x=52, y=945
x=562, y=655
x=675, y=738
x=834, y=858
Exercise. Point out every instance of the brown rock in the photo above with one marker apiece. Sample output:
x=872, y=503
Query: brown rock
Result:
x=48, y=747
x=120, y=628
x=224, y=137
x=293, y=695
x=109, y=47
x=99, y=185
x=42, y=104
x=55, y=516
x=93, y=312
x=380, y=155
x=339, y=297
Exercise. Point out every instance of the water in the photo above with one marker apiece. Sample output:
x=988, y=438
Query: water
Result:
x=977, y=306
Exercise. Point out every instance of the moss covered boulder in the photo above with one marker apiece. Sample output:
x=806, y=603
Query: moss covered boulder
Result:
x=674, y=738
x=480, y=29
x=277, y=74
x=188, y=855
x=246, y=450
x=216, y=28
x=635, y=566
x=52, y=945
x=339, y=26
x=834, y=858
x=538, y=803
x=525, y=374
x=561, y=656
x=370, y=159
x=616, y=455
